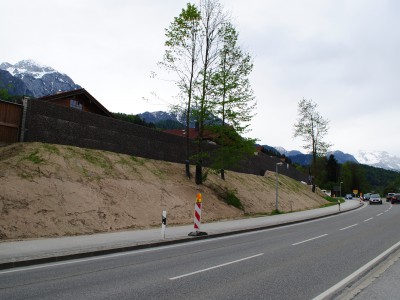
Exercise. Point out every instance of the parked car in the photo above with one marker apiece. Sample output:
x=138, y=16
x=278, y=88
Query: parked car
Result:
x=348, y=196
x=375, y=198
x=395, y=198
x=389, y=197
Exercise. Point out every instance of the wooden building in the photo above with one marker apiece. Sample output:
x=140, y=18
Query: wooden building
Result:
x=78, y=99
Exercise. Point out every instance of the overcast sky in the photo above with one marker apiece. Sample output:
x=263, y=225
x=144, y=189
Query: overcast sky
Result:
x=342, y=54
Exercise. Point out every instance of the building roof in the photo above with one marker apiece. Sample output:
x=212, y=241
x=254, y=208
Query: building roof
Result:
x=71, y=93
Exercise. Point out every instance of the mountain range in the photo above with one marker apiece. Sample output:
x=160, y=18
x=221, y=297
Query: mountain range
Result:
x=378, y=159
x=30, y=78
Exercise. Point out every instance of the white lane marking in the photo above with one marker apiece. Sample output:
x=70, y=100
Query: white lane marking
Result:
x=314, y=238
x=379, y=214
x=215, y=267
x=368, y=219
x=352, y=276
x=349, y=227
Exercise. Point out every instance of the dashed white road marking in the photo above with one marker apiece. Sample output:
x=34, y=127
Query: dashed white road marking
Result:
x=314, y=238
x=215, y=267
x=349, y=227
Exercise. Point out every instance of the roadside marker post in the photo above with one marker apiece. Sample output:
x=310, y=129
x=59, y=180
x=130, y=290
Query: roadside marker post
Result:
x=197, y=217
x=163, y=223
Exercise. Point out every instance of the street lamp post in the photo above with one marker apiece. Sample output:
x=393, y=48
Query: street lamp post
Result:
x=276, y=172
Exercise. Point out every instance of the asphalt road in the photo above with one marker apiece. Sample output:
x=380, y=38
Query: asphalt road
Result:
x=292, y=262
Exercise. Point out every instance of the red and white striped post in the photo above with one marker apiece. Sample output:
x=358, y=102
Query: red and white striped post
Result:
x=197, y=217
x=197, y=212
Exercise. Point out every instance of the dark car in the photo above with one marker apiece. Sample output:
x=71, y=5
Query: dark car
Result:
x=367, y=196
x=348, y=196
x=395, y=198
x=389, y=197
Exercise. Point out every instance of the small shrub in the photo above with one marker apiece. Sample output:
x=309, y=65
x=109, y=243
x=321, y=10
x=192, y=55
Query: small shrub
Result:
x=232, y=199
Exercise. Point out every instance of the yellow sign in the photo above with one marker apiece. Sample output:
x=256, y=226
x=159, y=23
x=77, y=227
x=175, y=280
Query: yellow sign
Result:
x=355, y=192
x=198, y=198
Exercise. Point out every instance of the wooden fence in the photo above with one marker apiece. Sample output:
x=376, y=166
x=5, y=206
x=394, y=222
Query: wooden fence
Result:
x=10, y=122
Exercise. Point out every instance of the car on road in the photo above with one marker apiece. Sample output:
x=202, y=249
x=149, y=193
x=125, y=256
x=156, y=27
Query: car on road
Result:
x=389, y=197
x=375, y=198
x=366, y=196
x=348, y=196
x=395, y=198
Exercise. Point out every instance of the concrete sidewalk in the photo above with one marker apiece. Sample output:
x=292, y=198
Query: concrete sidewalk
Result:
x=23, y=253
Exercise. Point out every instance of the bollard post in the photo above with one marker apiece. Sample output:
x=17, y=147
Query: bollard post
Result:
x=163, y=223
x=197, y=217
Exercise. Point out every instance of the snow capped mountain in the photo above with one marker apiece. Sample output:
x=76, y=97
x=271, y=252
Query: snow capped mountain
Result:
x=13, y=85
x=281, y=150
x=380, y=159
x=27, y=67
x=39, y=79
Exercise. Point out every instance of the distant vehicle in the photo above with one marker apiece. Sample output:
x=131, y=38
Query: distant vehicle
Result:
x=375, y=198
x=395, y=198
x=348, y=196
x=389, y=197
x=366, y=196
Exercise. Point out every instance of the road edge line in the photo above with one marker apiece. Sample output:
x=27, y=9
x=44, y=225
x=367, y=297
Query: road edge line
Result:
x=358, y=273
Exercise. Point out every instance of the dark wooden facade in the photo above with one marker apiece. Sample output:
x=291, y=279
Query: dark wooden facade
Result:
x=78, y=99
x=10, y=122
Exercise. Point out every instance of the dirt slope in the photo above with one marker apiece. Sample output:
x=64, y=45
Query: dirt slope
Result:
x=52, y=190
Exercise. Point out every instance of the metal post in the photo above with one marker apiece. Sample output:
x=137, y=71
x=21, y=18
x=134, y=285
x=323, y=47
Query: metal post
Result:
x=277, y=183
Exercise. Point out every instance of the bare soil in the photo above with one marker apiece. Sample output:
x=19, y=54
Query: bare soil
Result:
x=52, y=190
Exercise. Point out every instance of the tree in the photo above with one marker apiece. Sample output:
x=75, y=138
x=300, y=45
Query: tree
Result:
x=182, y=55
x=232, y=97
x=332, y=169
x=312, y=127
x=196, y=40
x=212, y=18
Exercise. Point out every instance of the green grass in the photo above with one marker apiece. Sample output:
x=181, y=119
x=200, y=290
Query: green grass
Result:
x=276, y=212
x=34, y=157
x=138, y=161
x=332, y=201
x=96, y=159
x=51, y=148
